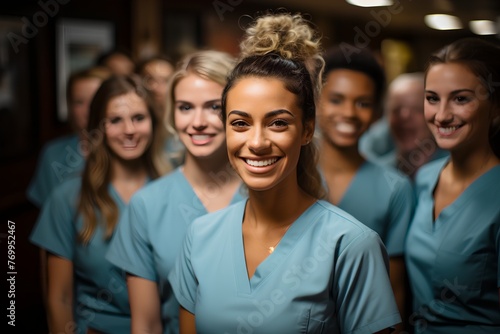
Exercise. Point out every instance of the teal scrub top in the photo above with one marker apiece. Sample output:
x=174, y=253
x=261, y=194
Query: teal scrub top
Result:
x=328, y=274
x=151, y=232
x=383, y=199
x=59, y=160
x=453, y=261
x=101, y=297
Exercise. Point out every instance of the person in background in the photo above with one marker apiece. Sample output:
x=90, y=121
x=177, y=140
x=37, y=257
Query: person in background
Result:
x=405, y=126
x=84, y=291
x=63, y=158
x=283, y=261
x=155, y=71
x=350, y=102
x=118, y=61
x=150, y=234
x=453, y=244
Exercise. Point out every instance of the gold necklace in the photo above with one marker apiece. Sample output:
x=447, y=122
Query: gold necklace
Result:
x=272, y=248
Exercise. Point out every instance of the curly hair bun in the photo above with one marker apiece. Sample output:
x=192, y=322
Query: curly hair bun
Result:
x=287, y=35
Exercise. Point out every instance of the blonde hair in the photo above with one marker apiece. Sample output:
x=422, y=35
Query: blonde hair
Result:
x=96, y=204
x=286, y=47
x=207, y=64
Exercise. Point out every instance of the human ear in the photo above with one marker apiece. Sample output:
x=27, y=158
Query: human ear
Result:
x=308, y=132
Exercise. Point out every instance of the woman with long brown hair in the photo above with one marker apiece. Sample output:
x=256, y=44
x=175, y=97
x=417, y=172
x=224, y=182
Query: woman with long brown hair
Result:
x=124, y=143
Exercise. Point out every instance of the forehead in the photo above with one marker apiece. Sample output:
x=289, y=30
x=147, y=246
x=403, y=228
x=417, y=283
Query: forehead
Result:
x=126, y=103
x=345, y=80
x=450, y=76
x=260, y=94
x=195, y=88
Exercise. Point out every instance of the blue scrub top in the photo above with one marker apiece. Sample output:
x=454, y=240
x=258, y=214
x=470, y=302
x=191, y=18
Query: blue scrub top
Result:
x=383, y=199
x=453, y=261
x=101, y=297
x=328, y=274
x=151, y=232
x=59, y=160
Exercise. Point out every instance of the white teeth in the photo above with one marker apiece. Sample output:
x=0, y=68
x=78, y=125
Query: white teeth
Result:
x=447, y=130
x=128, y=143
x=345, y=127
x=261, y=163
x=200, y=137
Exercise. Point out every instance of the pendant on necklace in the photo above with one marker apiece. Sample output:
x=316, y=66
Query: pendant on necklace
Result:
x=271, y=250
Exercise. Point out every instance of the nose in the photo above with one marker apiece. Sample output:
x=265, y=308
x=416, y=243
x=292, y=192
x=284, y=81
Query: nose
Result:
x=443, y=113
x=349, y=109
x=199, y=120
x=258, y=141
x=129, y=126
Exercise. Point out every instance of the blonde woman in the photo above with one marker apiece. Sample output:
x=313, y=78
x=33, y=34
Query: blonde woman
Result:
x=151, y=233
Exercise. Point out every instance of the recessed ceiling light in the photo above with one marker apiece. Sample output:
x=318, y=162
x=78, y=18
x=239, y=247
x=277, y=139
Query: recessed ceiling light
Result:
x=371, y=3
x=483, y=27
x=443, y=22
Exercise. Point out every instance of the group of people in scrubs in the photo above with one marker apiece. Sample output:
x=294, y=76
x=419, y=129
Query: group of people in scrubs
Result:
x=275, y=221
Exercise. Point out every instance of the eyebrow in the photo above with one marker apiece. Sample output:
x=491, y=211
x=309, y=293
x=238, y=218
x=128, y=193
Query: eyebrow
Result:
x=206, y=102
x=267, y=115
x=455, y=92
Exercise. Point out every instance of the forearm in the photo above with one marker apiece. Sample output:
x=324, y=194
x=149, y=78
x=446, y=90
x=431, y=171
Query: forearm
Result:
x=145, y=306
x=60, y=316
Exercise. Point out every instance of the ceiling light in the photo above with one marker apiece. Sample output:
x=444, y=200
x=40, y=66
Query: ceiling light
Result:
x=443, y=22
x=483, y=27
x=371, y=3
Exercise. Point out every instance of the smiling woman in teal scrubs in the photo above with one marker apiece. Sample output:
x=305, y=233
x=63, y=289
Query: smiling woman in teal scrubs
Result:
x=151, y=232
x=283, y=261
x=453, y=245
x=85, y=291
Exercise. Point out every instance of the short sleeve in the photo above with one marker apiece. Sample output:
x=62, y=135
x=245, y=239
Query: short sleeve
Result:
x=365, y=299
x=55, y=230
x=130, y=248
x=401, y=208
x=182, y=278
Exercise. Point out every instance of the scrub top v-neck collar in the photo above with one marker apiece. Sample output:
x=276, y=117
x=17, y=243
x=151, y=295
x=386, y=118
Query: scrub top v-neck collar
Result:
x=461, y=201
x=247, y=286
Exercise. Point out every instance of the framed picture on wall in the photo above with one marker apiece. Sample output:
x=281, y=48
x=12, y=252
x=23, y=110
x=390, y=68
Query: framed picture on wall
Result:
x=79, y=43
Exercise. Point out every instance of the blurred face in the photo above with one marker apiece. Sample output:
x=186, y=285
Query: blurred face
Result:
x=196, y=116
x=156, y=75
x=129, y=127
x=264, y=132
x=346, y=108
x=82, y=92
x=405, y=111
x=456, y=108
x=120, y=64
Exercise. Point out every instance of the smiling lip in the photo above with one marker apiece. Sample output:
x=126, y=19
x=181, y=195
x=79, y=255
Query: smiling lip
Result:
x=201, y=139
x=447, y=131
x=260, y=163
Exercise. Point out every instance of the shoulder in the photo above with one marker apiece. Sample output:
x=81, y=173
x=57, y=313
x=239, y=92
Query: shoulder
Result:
x=160, y=189
x=58, y=145
x=340, y=229
x=387, y=179
x=428, y=172
x=69, y=189
x=220, y=219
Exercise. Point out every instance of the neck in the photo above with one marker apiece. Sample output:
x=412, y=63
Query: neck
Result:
x=133, y=170
x=201, y=172
x=470, y=166
x=334, y=159
x=276, y=207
